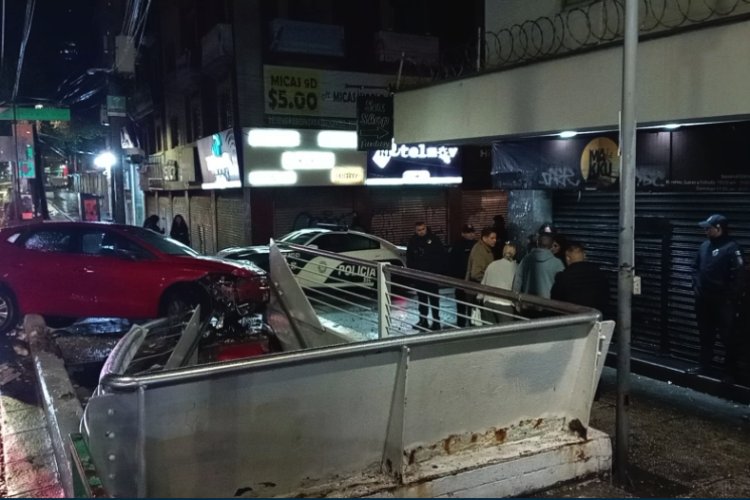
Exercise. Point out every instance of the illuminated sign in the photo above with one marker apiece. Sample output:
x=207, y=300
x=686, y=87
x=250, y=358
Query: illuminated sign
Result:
x=305, y=157
x=414, y=164
x=218, y=161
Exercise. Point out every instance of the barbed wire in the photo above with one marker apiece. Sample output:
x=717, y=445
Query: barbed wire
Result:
x=572, y=30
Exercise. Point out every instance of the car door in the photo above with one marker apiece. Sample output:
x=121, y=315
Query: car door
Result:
x=123, y=278
x=45, y=270
x=344, y=274
x=316, y=271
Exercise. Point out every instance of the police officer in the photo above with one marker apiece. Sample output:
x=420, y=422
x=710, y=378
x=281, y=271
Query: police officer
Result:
x=425, y=252
x=718, y=282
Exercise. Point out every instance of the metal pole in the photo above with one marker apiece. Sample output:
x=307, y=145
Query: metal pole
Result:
x=627, y=231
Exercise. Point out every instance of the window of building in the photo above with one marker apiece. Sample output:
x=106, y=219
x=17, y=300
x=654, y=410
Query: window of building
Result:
x=174, y=132
x=315, y=11
x=170, y=57
x=158, y=141
x=226, y=117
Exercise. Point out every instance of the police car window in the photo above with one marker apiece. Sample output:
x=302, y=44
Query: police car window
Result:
x=355, y=242
x=298, y=238
x=331, y=242
x=48, y=241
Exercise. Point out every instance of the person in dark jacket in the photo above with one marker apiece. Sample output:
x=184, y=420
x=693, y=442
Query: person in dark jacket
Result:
x=718, y=281
x=501, y=235
x=180, y=230
x=582, y=282
x=458, y=260
x=425, y=252
x=152, y=223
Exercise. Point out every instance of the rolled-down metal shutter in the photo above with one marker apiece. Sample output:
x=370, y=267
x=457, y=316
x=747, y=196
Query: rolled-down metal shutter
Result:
x=180, y=207
x=666, y=241
x=152, y=205
x=231, y=209
x=201, y=224
x=298, y=208
x=394, y=213
x=165, y=212
x=479, y=207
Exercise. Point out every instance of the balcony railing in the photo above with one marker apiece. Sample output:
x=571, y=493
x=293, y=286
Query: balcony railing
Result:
x=217, y=48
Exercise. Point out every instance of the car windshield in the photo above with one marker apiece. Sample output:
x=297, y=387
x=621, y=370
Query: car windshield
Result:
x=299, y=238
x=161, y=243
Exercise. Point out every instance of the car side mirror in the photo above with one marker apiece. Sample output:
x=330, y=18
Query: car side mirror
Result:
x=313, y=246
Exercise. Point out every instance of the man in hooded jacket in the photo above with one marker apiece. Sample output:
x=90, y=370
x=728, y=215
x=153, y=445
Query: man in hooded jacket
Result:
x=536, y=272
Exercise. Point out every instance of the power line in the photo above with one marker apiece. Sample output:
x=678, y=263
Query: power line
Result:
x=30, y=5
x=2, y=43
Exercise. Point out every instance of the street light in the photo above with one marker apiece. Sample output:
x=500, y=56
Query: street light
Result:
x=105, y=160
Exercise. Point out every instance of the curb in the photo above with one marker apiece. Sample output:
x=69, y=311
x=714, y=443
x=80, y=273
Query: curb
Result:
x=61, y=406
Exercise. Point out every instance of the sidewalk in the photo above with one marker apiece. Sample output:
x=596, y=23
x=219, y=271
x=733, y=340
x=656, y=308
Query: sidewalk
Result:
x=27, y=465
x=682, y=443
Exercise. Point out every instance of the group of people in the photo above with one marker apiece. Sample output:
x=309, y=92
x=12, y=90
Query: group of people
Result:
x=179, y=231
x=556, y=269
x=566, y=276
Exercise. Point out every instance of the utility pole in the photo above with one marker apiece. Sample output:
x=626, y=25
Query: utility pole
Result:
x=627, y=239
x=116, y=114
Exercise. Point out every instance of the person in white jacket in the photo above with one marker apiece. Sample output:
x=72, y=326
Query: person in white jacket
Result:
x=500, y=274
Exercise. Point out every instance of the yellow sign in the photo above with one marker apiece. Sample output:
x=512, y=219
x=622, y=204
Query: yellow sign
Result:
x=600, y=164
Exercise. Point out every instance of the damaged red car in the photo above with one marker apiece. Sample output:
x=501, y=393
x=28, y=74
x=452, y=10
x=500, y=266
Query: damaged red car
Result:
x=79, y=269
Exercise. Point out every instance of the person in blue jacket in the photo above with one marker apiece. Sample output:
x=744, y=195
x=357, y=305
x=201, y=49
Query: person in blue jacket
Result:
x=536, y=272
x=718, y=281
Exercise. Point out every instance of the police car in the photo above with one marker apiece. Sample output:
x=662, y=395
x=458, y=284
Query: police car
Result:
x=315, y=271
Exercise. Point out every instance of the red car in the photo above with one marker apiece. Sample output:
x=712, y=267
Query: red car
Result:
x=80, y=269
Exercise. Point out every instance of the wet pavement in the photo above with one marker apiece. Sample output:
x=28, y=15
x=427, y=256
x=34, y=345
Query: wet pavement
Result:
x=27, y=464
x=63, y=205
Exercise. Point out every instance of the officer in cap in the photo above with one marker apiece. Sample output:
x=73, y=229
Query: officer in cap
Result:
x=718, y=280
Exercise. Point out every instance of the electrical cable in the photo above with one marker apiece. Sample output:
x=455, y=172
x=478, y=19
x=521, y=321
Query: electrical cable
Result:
x=30, y=7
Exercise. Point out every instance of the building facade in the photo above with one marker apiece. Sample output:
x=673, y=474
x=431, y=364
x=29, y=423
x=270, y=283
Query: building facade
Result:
x=214, y=78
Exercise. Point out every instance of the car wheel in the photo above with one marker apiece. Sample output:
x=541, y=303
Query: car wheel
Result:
x=8, y=311
x=176, y=304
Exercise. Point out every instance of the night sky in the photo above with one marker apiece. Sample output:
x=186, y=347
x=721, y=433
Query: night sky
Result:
x=62, y=44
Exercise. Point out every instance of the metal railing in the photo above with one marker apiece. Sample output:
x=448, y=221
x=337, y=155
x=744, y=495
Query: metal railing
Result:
x=364, y=417
x=378, y=300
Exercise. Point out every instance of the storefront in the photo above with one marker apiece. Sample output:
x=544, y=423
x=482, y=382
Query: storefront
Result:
x=683, y=175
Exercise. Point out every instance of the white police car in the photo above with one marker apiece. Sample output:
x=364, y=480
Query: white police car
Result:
x=315, y=271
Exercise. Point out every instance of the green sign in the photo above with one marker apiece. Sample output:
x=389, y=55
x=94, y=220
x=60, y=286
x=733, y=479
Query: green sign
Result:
x=116, y=105
x=32, y=114
x=26, y=169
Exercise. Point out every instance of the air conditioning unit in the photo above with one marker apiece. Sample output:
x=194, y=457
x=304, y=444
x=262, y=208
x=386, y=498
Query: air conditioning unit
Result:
x=125, y=53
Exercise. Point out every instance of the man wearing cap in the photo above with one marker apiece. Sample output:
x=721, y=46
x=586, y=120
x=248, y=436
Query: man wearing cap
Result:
x=536, y=272
x=458, y=260
x=718, y=280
